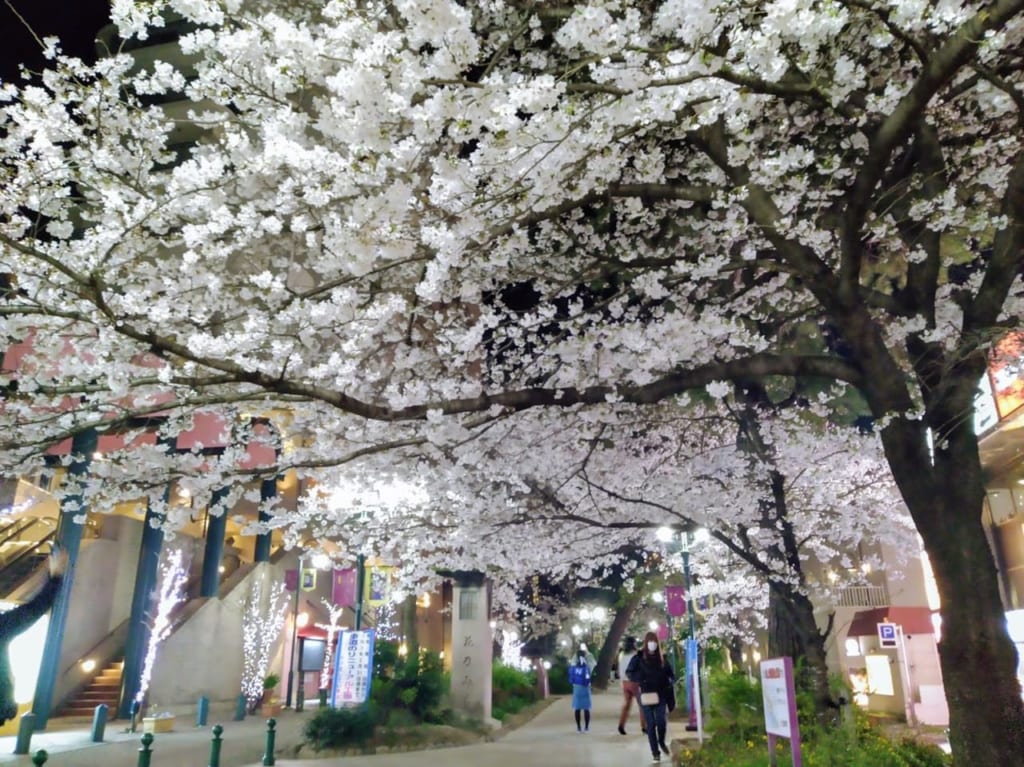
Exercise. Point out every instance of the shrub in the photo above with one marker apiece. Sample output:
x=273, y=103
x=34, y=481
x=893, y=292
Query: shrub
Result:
x=558, y=678
x=416, y=684
x=341, y=727
x=511, y=690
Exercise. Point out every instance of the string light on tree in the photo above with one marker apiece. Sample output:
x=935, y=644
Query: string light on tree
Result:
x=335, y=612
x=261, y=623
x=172, y=592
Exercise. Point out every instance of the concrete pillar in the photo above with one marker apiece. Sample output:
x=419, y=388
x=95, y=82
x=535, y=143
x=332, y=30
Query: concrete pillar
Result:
x=69, y=538
x=268, y=491
x=213, y=553
x=472, y=643
x=146, y=574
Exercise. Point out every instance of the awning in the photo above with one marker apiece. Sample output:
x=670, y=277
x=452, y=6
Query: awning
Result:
x=914, y=620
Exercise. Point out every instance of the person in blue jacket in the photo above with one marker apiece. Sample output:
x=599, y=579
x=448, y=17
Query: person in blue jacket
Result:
x=15, y=621
x=579, y=675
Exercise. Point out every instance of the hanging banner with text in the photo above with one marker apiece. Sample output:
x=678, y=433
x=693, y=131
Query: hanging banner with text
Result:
x=353, y=668
x=779, y=695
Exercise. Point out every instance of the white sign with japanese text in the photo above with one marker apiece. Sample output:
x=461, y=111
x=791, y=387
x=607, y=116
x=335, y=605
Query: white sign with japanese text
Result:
x=779, y=706
x=353, y=668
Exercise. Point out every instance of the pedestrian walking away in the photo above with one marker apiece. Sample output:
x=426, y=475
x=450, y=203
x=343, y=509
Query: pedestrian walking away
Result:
x=655, y=677
x=630, y=689
x=579, y=675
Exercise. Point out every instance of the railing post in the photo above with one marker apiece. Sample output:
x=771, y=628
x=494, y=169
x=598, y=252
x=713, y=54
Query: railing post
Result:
x=146, y=753
x=39, y=758
x=26, y=725
x=268, y=754
x=215, y=746
x=202, y=711
x=99, y=723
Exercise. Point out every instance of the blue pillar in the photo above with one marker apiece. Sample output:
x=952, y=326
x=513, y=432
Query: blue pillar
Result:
x=69, y=537
x=146, y=576
x=268, y=491
x=213, y=553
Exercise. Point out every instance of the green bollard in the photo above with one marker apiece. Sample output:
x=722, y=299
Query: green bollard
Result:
x=202, y=711
x=99, y=723
x=39, y=758
x=268, y=755
x=215, y=746
x=146, y=753
x=26, y=726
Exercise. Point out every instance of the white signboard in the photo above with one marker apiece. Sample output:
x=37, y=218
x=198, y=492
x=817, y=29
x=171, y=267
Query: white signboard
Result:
x=780, y=707
x=778, y=704
x=353, y=668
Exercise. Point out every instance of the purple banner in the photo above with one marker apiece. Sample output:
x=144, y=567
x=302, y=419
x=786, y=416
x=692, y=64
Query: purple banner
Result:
x=291, y=580
x=343, y=587
x=675, y=601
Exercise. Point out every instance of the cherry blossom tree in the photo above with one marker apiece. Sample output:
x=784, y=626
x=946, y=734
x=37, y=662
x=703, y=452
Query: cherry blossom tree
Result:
x=321, y=209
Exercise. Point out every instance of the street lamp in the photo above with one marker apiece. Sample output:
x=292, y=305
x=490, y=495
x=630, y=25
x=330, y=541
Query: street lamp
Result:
x=682, y=544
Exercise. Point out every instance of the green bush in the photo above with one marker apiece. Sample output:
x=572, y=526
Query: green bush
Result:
x=341, y=727
x=416, y=684
x=558, y=678
x=512, y=690
x=737, y=706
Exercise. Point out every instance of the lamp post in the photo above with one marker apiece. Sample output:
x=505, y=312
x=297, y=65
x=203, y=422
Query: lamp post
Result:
x=295, y=633
x=682, y=543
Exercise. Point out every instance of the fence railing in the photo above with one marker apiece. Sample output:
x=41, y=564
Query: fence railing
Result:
x=864, y=596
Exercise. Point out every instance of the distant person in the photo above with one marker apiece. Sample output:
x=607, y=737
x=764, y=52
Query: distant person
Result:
x=579, y=675
x=15, y=621
x=630, y=689
x=655, y=677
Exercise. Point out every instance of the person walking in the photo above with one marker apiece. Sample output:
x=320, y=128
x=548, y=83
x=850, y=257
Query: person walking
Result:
x=15, y=621
x=630, y=689
x=579, y=675
x=655, y=678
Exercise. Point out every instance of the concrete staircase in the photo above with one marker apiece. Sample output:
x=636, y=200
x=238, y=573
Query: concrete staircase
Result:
x=104, y=688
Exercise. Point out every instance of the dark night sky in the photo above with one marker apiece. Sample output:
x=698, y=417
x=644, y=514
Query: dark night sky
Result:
x=75, y=22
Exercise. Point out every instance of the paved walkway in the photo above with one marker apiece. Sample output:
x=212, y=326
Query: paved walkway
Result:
x=549, y=740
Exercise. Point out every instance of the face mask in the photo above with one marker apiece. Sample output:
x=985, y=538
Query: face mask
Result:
x=652, y=647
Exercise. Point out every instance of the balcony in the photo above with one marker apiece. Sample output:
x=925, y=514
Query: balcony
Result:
x=863, y=596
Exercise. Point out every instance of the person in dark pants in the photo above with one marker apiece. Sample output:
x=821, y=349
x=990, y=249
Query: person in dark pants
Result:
x=655, y=678
x=15, y=621
x=579, y=675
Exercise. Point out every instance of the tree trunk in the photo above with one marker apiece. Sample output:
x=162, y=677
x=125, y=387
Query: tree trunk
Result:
x=793, y=631
x=978, y=660
x=407, y=621
x=610, y=647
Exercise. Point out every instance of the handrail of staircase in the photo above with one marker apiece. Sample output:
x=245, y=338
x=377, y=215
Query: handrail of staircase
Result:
x=28, y=551
x=16, y=528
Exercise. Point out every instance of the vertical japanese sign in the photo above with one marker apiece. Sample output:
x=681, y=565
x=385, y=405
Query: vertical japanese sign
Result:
x=780, y=706
x=353, y=668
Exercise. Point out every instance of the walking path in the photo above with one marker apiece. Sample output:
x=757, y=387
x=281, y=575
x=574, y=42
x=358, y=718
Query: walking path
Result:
x=549, y=740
